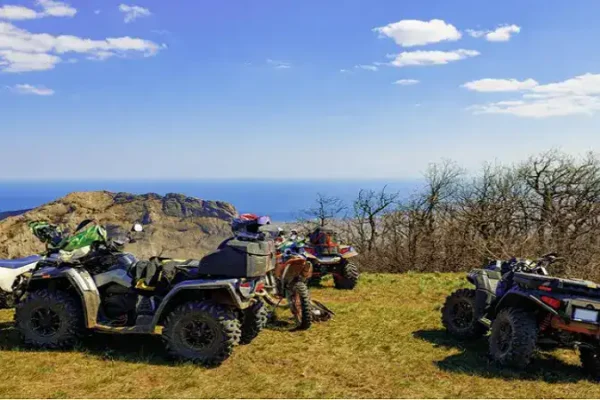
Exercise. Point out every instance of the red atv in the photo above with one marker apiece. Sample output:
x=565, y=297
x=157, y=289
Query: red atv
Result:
x=329, y=257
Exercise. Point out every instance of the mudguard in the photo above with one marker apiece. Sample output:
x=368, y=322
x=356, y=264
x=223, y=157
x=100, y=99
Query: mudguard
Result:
x=81, y=280
x=514, y=297
x=485, y=283
x=200, y=285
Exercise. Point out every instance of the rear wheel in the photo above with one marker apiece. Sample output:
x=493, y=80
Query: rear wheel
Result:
x=513, y=338
x=202, y=332
x=458, y=315
x=49, y=319
x=348, y=278
x=590, y=360
x=254, y=320
x=299, y=299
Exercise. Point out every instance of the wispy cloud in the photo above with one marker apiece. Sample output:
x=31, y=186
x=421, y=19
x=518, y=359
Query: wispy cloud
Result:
x=133, y=12
x=31, y=90
x=372, y=68
x=279, y=64
x=22, y=51
x=433, y=57
x=502, y=33
x=406, y=82
x=578, y=95
x=500, y=85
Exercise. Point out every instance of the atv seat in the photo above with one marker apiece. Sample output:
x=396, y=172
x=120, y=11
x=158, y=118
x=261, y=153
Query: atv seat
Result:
x=19, y=262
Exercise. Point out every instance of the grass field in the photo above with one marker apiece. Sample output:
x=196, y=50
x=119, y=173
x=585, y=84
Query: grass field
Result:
x=385, y=341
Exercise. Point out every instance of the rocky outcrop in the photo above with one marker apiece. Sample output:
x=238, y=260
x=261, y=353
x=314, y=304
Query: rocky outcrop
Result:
x=174, y=225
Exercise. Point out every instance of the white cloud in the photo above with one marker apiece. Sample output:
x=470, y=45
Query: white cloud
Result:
x=17, y=13
x=582, y=85
x=435, y=57
x=500, y=85
x=367, y=67
x=133, y=12
x=97, y=12
x=500, y=34
x=411, y=32
x=578, y=95
x=475, y=33
x=406, y=82
x=30, y=89
x=279, y=64
x=50, y=8
x=16, y=61
x=56, y=8
x=22, y=51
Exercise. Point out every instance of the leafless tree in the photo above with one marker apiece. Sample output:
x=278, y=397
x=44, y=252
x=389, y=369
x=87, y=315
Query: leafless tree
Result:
x=368, y=207
x=324, y=210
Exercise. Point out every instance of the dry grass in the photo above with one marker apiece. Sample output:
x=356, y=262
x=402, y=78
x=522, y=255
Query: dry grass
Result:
x=386, y=341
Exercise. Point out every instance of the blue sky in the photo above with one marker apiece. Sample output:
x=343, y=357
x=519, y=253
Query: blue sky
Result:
x=305, y=89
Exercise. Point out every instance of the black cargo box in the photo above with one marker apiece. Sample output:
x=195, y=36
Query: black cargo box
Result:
x=240, y=259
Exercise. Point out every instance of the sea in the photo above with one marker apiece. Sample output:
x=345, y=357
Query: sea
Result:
x=282, y=200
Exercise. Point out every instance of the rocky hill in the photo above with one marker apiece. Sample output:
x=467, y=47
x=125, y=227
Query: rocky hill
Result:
x=174, y=225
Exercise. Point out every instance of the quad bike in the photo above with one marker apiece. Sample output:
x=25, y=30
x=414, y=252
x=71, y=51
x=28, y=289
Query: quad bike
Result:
x=205, y=307
x=286, y=286
x=525, y=308
x=14, y=273
x=329, y=257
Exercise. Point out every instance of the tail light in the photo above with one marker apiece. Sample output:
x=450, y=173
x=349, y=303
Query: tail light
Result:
x=544, y=288
x=346, y=250
x=551, y=301
x=246, y=288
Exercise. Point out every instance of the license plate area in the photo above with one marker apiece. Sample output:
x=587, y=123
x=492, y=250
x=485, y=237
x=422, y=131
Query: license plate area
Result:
x=585, y=315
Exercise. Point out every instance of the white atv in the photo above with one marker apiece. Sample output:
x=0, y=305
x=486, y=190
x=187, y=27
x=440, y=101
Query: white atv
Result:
x=13, y=278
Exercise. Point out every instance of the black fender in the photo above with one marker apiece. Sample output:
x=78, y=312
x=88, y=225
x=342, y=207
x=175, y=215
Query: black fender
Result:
x=523, y=300
x=198, y=289
x=79, y=279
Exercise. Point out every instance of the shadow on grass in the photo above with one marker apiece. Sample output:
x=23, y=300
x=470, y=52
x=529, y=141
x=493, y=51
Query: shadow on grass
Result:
x=474, y=360
x=148, y=349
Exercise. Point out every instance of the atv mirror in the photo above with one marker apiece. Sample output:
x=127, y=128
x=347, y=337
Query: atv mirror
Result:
x=138, y=227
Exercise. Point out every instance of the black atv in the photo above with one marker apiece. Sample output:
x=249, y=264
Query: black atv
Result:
x=205, y=307
x=525, y=308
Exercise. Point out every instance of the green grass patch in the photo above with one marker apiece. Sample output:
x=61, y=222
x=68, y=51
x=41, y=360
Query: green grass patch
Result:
x=386, y=340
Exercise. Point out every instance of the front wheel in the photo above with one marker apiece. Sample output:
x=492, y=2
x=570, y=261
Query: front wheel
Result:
x=458, y=315
x=513, y=338
x=202, y=332
x=348, y=278
x=49, y=319
x=300, y=305
x=590, y=361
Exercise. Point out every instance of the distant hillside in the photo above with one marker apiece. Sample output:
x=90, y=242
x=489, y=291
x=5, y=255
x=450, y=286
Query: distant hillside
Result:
x=6, y=214
x=174, y=225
